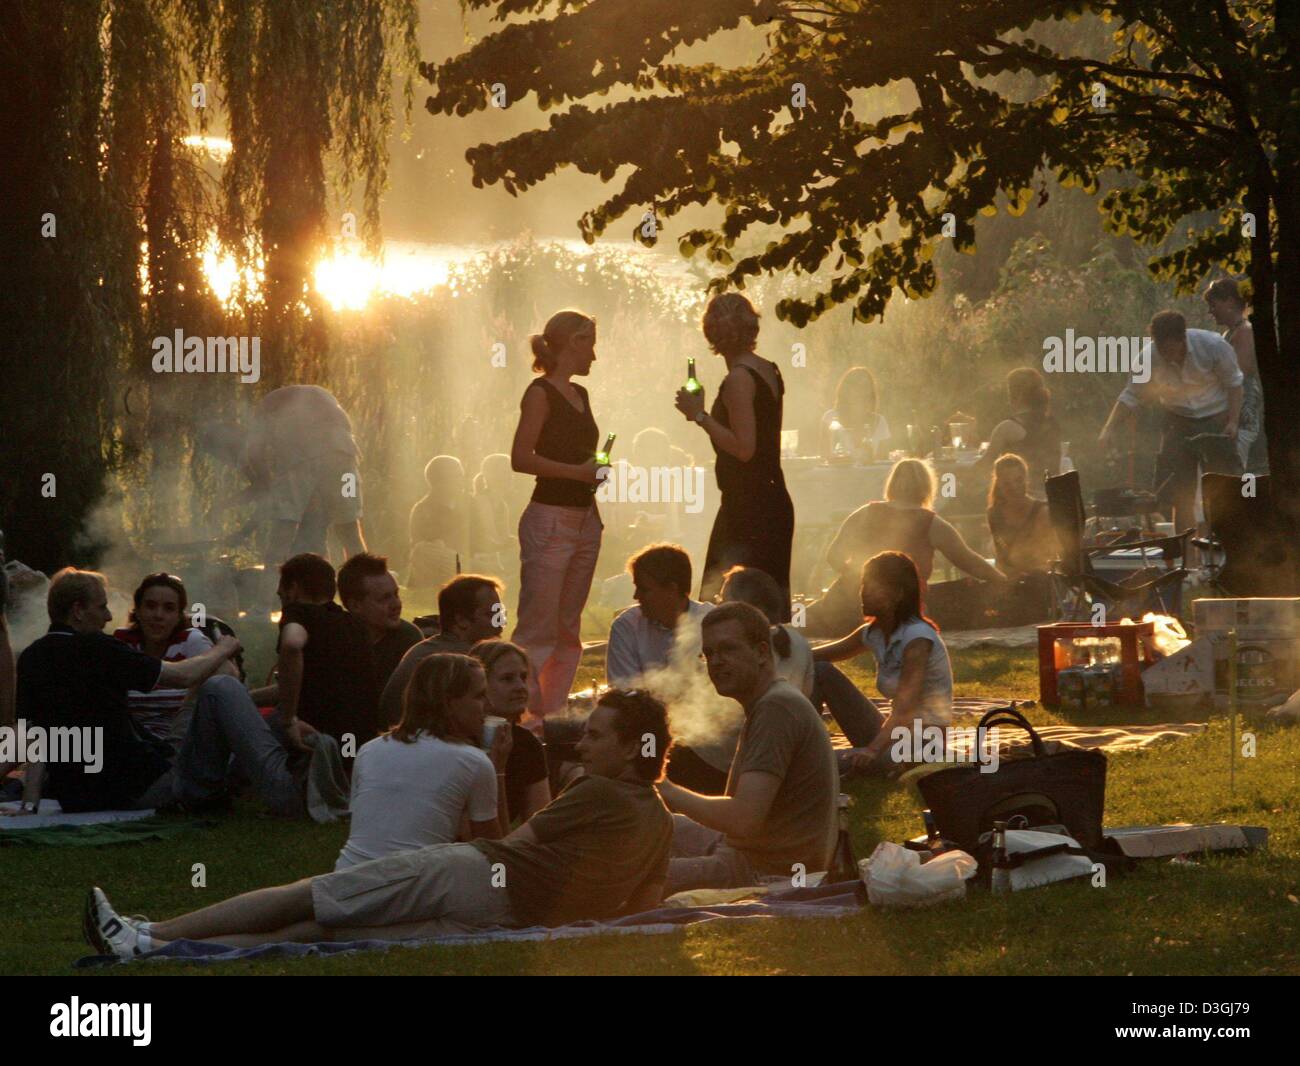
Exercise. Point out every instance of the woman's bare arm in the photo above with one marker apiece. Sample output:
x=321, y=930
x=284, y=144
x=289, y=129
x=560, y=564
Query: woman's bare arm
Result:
x=741, y=439
x=844, y=648
x=1243, y=343
x=950, y=542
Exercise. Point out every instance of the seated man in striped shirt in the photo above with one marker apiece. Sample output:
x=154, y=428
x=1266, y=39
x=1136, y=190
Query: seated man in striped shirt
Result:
x=158, y=627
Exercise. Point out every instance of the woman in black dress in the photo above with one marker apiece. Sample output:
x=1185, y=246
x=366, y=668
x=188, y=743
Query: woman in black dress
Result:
x=755, y=522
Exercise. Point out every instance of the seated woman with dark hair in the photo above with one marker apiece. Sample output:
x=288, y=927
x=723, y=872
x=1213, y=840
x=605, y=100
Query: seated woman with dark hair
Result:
x=912, y=666
x=601, y=849
x=854, y=427
x=415, y=785
x=1031, y=431
x=158, y=627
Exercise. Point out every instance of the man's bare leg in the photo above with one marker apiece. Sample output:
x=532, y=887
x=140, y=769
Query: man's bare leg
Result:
x=298, y=933
x=265, y=915
x=350, y=536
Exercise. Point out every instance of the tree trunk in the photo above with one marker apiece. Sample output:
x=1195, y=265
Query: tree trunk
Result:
x=1276, y=320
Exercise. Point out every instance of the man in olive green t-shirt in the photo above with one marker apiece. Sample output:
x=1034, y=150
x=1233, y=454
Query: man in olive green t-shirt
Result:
x=779, y=807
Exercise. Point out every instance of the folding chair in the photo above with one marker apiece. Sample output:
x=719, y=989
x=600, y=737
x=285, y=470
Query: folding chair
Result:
x=1077, y=585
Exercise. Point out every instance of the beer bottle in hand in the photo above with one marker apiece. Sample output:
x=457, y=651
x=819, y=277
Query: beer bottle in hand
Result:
x=692, y=382
x=602, y=459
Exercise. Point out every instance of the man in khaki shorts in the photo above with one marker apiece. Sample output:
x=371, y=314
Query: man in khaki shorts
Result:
x=600, y=849
x=300, y=459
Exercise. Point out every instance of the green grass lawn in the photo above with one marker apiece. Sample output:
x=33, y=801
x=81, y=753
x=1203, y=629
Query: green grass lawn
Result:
x=1225, y=915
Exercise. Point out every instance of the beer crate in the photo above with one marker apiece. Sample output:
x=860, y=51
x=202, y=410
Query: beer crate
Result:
x=1268, y=647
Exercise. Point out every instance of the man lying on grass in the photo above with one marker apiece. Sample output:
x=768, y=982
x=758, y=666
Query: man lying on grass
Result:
x=599, y=850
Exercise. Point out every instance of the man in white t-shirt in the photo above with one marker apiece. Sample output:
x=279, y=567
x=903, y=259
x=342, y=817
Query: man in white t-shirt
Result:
x=663, y=626
x=1197, y=383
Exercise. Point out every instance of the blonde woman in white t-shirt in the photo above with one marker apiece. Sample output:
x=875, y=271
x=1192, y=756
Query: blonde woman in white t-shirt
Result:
x=427, y=778
x=912, y=665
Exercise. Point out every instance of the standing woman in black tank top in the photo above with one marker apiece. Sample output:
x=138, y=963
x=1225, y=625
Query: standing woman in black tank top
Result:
x=755, y=522
x=560, y=529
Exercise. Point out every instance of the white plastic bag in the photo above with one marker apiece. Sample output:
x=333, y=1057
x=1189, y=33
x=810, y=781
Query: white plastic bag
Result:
x=896, y=877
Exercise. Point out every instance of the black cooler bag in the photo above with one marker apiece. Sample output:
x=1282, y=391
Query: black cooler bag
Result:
x=1064, y=788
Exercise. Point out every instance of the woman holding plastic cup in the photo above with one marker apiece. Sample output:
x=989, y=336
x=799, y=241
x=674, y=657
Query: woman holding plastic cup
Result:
x=528, y=787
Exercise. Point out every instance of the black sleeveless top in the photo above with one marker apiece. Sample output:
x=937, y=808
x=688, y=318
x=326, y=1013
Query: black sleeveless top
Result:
x=568, y=436
x=762, y=474
x=1040, y=447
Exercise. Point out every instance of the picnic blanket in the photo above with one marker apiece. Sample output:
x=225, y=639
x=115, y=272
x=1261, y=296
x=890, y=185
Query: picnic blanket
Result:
x=1107, y=738
x=98, y=834
x=52, y=814
x=55, y=827
x=1012, y=637
x=830, y=901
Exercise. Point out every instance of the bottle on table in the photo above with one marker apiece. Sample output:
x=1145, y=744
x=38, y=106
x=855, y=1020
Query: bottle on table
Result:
x=1000, y=882
x=692, y=382
x=602, y=459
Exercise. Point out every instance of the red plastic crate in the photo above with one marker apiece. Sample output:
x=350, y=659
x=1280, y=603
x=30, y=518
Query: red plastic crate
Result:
x=1133, y=659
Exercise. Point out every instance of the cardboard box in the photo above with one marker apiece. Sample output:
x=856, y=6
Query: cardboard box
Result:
x=1268, y=647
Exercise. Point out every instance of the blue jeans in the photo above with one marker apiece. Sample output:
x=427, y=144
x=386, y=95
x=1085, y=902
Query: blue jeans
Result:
x=857, y=716
x=228, y=732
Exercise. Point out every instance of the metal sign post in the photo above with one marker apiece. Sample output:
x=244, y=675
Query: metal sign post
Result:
x=1232, y=711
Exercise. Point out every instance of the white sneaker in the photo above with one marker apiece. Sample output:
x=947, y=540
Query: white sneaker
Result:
x=108, y=932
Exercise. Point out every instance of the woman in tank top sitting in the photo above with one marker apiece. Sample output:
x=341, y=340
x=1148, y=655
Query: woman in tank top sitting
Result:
x=560, y=529
x=912, y=666
x=905, y=522
x=1024, y=545
x=1023, y=539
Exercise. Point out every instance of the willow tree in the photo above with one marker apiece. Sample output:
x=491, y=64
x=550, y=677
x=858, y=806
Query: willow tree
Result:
x=1195, y=109
x=110, y=211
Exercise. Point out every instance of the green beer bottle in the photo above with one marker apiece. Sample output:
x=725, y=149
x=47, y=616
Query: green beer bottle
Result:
x=692, y=382
x=602, y=459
